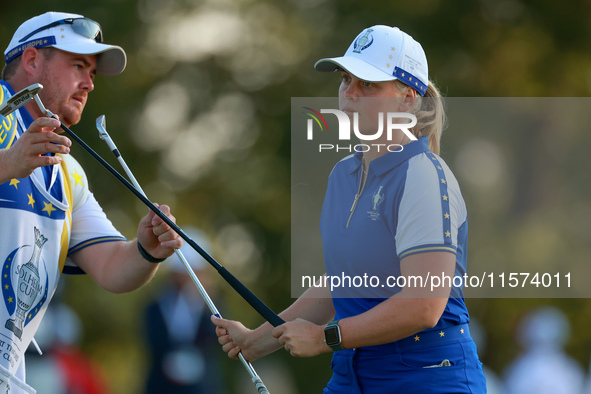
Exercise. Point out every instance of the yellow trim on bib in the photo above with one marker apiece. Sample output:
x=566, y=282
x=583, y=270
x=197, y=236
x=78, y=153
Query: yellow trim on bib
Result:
x=65, y=240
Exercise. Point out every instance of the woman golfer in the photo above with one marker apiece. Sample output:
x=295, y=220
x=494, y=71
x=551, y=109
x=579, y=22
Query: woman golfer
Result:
x=394, y=211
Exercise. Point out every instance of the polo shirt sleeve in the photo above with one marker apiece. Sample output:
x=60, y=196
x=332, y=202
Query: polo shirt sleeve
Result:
x=431, y=208
x=90, y=225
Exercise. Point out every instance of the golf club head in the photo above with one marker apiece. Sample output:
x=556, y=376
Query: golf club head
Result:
x=21, y=98
x=101, y=126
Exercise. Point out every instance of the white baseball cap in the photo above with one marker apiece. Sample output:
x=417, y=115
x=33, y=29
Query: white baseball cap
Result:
x=382, y=53
x=71, y=33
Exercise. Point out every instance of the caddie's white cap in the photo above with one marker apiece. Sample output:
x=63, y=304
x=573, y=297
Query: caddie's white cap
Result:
x=382, y=53
x=70, y=33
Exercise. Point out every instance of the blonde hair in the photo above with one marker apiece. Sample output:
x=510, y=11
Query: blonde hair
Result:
x=430, y=113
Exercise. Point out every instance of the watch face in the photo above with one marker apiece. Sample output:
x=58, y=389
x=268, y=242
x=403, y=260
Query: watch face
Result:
x=331, y=335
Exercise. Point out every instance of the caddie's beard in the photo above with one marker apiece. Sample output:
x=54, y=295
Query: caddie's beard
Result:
x=55, y=98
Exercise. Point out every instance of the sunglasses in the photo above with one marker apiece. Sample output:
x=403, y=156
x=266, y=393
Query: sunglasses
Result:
x=83, y=26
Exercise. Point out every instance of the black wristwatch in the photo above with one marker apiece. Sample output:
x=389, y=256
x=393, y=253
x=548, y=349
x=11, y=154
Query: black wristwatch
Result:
x=332, y=336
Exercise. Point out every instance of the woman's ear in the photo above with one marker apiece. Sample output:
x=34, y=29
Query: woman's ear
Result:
x=408, y=100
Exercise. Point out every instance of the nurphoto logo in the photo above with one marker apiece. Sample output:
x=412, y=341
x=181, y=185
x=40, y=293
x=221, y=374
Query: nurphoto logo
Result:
x=344, y=132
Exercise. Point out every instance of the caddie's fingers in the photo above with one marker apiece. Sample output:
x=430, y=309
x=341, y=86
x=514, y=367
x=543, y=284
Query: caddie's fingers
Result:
x=165, y=209
x=170, y=239
x=42, y=122
x=163, y=231
x=51, y=160
x=46, y=134
x=41, y=161
x=56, y=138
x=48, y=147
x=60, y=129
x=151, y=213
x=159, y=229
x=176, y=243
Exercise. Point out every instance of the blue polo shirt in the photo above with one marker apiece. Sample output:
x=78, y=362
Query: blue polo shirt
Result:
x=411, y=203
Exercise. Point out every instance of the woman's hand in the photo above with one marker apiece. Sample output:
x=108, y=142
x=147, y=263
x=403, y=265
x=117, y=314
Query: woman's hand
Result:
x=301, y=338
x=232, y=335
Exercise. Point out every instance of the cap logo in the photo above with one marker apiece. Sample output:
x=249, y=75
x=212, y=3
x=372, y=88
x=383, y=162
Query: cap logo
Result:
x=36, y=43
x=363, y=42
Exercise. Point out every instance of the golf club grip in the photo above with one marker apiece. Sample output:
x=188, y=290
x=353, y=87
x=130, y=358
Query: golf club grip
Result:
x=252, y=299
x=260, y=385
x=248, y=295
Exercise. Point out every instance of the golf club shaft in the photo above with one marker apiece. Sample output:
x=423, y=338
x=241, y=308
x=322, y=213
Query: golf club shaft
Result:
x=248, y=295
x=250, y=369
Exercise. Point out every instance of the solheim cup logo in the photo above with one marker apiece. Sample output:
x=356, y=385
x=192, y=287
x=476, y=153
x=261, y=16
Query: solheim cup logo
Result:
x=363, y=41
x=345, y=128
x=30, y=294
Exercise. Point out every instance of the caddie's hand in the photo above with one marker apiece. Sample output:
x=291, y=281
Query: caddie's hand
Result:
x=301, y=338
x=157, y=237
x=27, y=153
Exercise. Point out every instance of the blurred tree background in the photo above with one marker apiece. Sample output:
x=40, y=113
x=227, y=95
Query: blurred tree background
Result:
x=202, y=117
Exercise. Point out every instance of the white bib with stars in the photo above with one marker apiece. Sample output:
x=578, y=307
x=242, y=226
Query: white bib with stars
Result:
x=43, y=218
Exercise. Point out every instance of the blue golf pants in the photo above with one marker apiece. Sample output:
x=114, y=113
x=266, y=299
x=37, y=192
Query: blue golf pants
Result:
x=424, y=364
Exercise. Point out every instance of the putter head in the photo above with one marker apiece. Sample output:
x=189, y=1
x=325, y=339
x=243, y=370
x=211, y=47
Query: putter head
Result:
x=21, y=98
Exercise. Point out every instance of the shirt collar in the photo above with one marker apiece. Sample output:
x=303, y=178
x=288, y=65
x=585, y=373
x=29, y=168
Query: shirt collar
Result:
x=7, y=85
x=385, y=163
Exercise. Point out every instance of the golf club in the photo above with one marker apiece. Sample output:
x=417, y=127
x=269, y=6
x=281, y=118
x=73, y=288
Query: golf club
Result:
x=104, y=135
x=20, y=99
x=246, y=294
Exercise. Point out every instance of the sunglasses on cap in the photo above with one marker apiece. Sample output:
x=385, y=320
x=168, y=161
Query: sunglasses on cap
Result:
x=83, y=26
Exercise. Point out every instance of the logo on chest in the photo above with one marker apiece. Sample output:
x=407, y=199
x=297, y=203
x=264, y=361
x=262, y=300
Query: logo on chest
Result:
x=25, y=284
x=376, y=199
